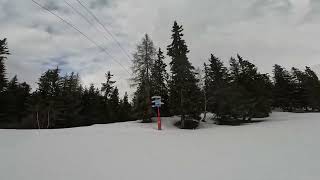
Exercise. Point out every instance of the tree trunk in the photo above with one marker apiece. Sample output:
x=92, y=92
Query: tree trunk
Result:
x=48, y=119
x=182, y=110
x=205, y=107
x=148, y=103
x=38, y=120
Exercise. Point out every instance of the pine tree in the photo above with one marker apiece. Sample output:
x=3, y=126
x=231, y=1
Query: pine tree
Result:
x=52, y=109
x=299, y=97
x=11, y=95
x=283, y=88
x=237, y=95
x=306, y=90
x=107, y=89
x=125, y=109
x=3, y=55
x=114, y=105
x=46, y=105
x=143, y=61
x=23, y=95
x=17, y=95
x=93, y=106
x=70, y=100
x=3, y=79
x=254, y=87
x=159, y=78
x=216, y=79
x=185, y=95
x=312, y=86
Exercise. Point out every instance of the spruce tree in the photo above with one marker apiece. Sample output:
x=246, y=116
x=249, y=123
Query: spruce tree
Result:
x=216, y=79
x=283, y=88
x=114, y=105
x=70, y=101
x=306, y=89
x=237, y=95
x=46, y=106
x=299, y=97
x=12, y=96
x=17, y=94
x=3, y=80
x=159, y=81
x=185, y=95
x=125, y=109
x=254, y=87
x=93, y=106
x=107, y=89
x=312, y=86
x=3, y=56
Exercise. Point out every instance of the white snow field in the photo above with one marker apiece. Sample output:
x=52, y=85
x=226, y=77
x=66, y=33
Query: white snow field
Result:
x=285, y=147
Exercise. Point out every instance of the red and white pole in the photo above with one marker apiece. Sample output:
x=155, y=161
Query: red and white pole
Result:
x=159, y=119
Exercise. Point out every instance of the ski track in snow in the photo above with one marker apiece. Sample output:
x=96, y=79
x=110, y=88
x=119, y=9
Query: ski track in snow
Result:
x=284, y=147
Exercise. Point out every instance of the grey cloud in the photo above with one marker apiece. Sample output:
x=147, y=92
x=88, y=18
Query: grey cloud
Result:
x=100, y=4
x=314, y=13
x=52, y=5
x=257, y=29
x=261, y=8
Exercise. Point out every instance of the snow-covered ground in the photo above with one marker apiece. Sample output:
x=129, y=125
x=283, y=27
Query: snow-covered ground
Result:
x=285, y=147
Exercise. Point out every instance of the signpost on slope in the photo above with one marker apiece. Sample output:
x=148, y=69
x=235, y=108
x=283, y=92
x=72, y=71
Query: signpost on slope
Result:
x=156, y=103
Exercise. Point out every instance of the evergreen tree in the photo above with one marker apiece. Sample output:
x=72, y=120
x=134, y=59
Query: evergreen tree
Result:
x=299, y=97
x=3, y=79
x=312, y=87
x=125, y=109
x=107, y=89
x=17, y=95
x=12, y=103
x=255, y=88
x=50, y=88
x=237, y=95
x=216, y=79
x=70, y=101
x=283, y=88
x=185, y=95
x=3, y=55
x=306, y=90
x=159, y=78
x=114, y=105
x=93, y=106
x=143, y=61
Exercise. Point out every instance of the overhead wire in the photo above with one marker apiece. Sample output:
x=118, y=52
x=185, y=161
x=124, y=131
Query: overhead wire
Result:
x=83, y=34
x=89, y=22
x=106, y=29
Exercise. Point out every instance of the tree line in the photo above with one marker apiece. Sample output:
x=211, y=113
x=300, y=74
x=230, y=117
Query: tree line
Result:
x=59, y=101
x=235, y=93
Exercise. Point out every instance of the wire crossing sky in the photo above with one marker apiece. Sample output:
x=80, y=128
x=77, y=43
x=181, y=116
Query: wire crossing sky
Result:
x=106, y=29
x=84, y=35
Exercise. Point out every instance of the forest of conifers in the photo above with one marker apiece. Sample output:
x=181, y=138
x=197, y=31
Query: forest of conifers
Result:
x=235, y=93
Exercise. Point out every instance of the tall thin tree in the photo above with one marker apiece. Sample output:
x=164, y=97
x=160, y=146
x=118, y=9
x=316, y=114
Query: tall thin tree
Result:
x=185, y=95
x=143, y=61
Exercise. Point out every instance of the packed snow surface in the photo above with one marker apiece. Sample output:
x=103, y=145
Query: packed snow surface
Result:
x=284, y=147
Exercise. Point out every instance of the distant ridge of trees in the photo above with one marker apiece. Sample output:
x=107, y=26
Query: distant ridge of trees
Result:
x=235, y=94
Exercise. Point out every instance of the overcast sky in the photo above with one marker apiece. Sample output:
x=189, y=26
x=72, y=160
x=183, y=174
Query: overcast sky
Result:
x=266, y=32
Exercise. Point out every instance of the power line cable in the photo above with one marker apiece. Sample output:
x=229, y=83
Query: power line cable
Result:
x=87, y=20
x=105, y=28
x=84, y=35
